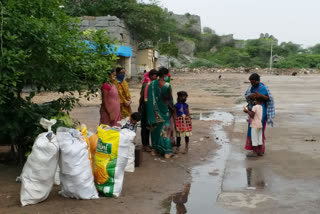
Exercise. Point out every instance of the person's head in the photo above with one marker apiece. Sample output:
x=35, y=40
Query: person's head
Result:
x=163, y=73
x=153, y=74
x=182, y=96
x=120, y=73
x=135, y=117
x=112, y=76
x=254, y=79
x=145, y=71
x=258, y=101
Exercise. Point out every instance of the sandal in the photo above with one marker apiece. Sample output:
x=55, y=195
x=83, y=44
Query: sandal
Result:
x=251, y=155
x=170, y=156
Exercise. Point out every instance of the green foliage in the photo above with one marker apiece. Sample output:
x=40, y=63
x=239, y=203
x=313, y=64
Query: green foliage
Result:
x=300, y=61
x=41, y=46
x=286, y=49
x=169, y=49
x=206, y=42
x=231, y=57
x=315, y=49
x=202, y=63
x=145, y=21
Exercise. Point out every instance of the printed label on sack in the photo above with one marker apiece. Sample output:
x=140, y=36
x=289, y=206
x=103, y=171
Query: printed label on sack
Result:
x=105, y=148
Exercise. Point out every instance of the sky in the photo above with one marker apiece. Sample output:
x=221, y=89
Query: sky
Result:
x=287, y=20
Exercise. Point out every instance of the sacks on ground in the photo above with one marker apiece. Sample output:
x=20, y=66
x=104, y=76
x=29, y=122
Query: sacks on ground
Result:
x=38, y=173
x=111, y=158
x=57, y=176
x=75, y=169
x=131, y=158
x=84, y=132
x=93, y=140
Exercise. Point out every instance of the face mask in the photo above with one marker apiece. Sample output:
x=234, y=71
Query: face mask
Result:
x=166, y=78
x=120, y=77
x=183, y=100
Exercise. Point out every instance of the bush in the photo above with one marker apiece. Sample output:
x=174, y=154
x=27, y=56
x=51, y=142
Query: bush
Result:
x=43, y=47
x=300, y=61
x=202, y=63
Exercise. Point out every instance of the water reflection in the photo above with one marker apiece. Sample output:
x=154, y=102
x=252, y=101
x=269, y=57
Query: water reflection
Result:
x=178, y=201
x=255, y=178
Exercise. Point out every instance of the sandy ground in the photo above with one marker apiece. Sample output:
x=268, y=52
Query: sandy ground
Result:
x=285, y=179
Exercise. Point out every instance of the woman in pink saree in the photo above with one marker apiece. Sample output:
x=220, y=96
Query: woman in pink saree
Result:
x=110, y=107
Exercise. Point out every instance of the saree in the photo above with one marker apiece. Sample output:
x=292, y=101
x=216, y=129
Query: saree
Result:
x=262, y=89
x=113, y=104
x=124, y=95
x=158, y=117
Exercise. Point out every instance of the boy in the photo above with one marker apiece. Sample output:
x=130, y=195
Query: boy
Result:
x=131, y=123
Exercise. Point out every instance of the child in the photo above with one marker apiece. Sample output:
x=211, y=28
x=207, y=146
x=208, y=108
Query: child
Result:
x=183, y=120
x=256, y=127
x=131, y=123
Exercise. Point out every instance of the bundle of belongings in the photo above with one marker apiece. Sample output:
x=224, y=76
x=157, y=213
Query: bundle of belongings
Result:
x=83, y=164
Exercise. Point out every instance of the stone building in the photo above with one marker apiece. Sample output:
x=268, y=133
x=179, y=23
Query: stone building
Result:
x=118, y=31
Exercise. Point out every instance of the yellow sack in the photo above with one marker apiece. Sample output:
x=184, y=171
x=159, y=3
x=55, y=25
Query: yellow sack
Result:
x=105, y=159
x=84, y=132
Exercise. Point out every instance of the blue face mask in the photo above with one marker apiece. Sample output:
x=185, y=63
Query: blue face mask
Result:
x=120, y=77
x=166, y=78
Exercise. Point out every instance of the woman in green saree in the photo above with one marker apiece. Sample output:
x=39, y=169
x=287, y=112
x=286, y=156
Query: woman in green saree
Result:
x=159, y=103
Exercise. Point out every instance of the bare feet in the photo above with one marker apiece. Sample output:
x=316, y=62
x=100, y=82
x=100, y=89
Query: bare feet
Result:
x=185, y=151
x=177, y=150
x=154, y=152
x=147, y=149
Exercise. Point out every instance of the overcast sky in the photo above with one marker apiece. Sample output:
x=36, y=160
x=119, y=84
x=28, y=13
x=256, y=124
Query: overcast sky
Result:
x=288, y=20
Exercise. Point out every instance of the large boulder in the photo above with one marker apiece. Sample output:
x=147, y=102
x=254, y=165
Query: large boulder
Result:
x=186, y=47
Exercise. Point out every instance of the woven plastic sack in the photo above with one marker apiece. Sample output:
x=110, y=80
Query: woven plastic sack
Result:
x=38, y=173
x=111, y=158
x=75, y=168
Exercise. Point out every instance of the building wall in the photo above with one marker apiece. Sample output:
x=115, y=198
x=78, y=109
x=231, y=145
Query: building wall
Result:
x=146, y=60
x=117, y=30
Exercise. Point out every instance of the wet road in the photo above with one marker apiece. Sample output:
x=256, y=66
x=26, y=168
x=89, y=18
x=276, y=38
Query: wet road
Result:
x=285, y=180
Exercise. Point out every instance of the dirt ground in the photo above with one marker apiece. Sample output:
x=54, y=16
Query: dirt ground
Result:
x=284, y=179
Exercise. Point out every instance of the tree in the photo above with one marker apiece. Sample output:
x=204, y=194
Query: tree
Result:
x=286, y=49
x=145, y=21
x=315, y=49
x=41, y=46
x=169, y=49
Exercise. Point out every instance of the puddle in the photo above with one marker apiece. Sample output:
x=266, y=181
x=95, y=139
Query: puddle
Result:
x=206, y=179
x=225, y=118
x=255, y=179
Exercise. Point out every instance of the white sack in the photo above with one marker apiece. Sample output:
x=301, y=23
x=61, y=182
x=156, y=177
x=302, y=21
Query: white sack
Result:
x=38, y=172
x=75, y=169
x=126, y=140
x=131, y=158
x=57, y=176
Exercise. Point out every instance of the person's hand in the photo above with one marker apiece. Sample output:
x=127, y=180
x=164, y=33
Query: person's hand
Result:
x=128, y=103
x=252, y=96
x=258, y=95
x=112, y=119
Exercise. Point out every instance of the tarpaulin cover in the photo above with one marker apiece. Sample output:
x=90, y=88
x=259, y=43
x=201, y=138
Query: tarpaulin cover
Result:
x=116, y=49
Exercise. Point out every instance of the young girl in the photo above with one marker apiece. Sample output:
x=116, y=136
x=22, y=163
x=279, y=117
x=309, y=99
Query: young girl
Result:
x=256, y=127
x=183, y=120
